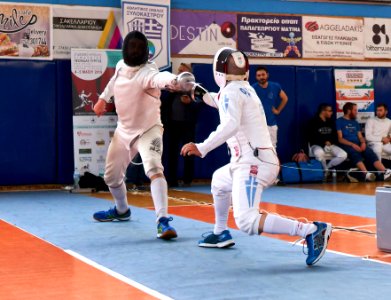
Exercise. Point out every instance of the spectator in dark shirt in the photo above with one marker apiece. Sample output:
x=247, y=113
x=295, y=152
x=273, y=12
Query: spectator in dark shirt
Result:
x=181, y=118
x=323, y=137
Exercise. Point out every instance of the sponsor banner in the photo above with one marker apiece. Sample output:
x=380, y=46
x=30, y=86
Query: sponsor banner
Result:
x=91, y=71
x=25, y=31
x=339, y=38
x=85, y=27
x=270, y=36
x=150, y=17
x=377, y=34
x=355, y=86
x=91, y=139
x=201, y=33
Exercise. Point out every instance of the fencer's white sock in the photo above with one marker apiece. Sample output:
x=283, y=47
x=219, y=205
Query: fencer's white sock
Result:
x=222, y=204
x=304, y=229
x=120, y=198
x=278, y=225
x=159, y=196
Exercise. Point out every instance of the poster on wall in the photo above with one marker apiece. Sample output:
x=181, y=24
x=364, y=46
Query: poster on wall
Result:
x=25, y=31
x=270, y=36
x=91, y=71
x=85, y=27
x=377, y=34
x=151, y=17
x=355, y=86
x=201, y=33
x=333, y=38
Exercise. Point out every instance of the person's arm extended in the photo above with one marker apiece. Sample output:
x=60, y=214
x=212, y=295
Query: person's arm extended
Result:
x=283, y=102
x=228, y=126
x=153, y=78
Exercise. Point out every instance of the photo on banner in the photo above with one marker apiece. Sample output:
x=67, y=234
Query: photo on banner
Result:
x=25, y=31
x=201, y=33
x=270, y=35
x=91, y=71
x=152, y=18
x=355, y=86
x=85, y=27
x=333, y=38
x=377, y=38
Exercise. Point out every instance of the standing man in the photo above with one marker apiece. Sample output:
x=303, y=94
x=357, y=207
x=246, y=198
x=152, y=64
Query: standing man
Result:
x=353, y=142
x=323, y=137
x=254, y=164
x=378, y=131
x=136, y=86
x=181, y=118
x=273, y=99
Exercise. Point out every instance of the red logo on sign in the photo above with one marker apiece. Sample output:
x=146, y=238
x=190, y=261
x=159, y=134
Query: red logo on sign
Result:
x=312, y=26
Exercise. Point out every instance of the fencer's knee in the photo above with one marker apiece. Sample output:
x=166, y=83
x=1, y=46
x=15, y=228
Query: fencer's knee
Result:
x=153, y=172
x=248, y=222
x=152, y=166
x=218, y=190
x=113, y=181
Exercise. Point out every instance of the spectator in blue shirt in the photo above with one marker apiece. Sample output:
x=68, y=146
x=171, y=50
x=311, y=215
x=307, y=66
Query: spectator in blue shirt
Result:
x=273, y=99
x=353, y=142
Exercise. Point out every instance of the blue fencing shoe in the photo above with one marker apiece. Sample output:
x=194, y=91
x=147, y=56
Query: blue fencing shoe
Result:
x=164, y=230
x=111, y=215
x=211, y=240
x=317, y=242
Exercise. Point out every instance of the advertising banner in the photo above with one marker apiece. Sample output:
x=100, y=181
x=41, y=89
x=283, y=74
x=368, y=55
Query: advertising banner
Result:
x=85, y=27
x=339, y=38
x=355, y=86
x=150, y=17
x=201, y=33
x=25, y=31
x=377, y=34
x=270, y=36
x=91, y=71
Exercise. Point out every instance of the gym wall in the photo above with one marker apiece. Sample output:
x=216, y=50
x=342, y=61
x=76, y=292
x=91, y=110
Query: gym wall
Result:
x=36, y=110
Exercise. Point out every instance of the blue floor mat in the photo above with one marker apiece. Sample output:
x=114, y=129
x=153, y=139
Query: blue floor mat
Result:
x=255, y=268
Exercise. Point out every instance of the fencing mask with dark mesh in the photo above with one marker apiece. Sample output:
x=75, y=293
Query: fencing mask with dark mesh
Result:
x=135, y=49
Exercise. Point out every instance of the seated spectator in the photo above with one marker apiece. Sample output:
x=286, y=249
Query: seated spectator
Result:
x=353, y=142
x=323, y=137
x=378, y=130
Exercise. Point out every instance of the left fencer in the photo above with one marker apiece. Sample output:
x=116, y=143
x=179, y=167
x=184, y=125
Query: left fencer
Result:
x=136, y=87
x=253, y=166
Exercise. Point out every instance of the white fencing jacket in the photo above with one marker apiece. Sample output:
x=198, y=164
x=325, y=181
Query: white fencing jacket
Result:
x=242, y=122
x=136, y=91
x=376, y=129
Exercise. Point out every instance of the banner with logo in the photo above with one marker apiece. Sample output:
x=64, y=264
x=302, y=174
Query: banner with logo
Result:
x=339, y=38
x=91, y=71
x=85, y=27
x=355, y=86
x=377, y=34
x=25, y=31
x=150, y=17
x=201, y=33
x=270, y=36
